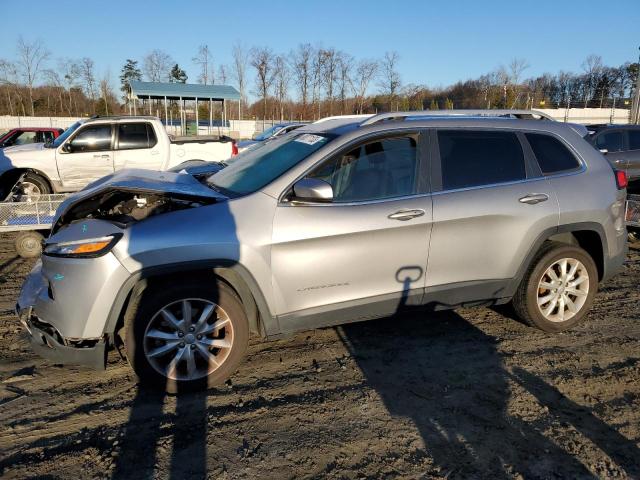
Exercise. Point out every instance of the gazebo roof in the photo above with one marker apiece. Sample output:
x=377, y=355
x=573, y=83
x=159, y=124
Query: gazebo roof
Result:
x=186, y=91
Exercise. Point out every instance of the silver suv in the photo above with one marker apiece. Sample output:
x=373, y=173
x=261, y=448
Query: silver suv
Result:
x=338, y=221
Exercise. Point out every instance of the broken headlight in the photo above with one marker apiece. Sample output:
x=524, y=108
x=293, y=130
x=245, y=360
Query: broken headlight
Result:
x=88, y=248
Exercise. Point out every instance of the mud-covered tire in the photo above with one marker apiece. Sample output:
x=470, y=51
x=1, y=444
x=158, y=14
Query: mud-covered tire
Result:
x=525, y=301
x=144, y=313
x=29, y=244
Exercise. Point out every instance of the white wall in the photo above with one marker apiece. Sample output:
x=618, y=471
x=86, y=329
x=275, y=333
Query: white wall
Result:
x=588, y=115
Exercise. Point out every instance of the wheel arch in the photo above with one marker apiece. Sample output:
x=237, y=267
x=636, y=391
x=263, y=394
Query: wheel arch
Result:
x=10, y=177
x=589, y=236
x=236, y=276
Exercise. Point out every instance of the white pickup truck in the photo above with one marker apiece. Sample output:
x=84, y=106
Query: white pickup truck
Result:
x=93, y=148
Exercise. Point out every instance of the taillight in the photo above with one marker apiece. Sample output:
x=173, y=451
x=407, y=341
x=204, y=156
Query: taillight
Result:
x=234, y=148
x=621, y=179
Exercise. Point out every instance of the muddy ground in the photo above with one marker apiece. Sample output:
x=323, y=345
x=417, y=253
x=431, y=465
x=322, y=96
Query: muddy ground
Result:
x=466, y=394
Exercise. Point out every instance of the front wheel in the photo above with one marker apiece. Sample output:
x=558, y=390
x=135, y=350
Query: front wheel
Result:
x=558, y=289
x=185, y=337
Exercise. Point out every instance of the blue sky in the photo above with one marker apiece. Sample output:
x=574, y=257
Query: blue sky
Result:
x=439, y=42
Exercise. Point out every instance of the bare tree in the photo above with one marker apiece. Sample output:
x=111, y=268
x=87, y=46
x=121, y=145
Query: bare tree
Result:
x=70, y=71
x=31, y=57
x=516, y=67
x=390, y=78
x=262, y=60
x=240, y=60
x=365, y=72
x=301, y=65
x=330, y=64
x=205, y=61
x=222, y=74
x=345, y=63
x=592, y=67
x=8, y=78
x=281, y=80
x=105, y=92
x=86, y=72
x=56, y=82
x=317, y=70
x=157, y=65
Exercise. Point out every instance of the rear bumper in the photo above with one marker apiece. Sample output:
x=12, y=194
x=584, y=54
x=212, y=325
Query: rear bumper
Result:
x=47, y=343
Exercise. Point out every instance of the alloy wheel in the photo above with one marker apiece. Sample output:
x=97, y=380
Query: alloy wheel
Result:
x=188, y=339
x=563, y=289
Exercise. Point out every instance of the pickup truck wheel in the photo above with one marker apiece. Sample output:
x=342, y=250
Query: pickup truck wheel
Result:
x=558, y=289
x=33, y=185
x=185, y=337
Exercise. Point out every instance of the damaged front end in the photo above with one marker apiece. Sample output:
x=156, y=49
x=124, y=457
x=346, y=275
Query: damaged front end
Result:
x=67, y=299
x=133, y=195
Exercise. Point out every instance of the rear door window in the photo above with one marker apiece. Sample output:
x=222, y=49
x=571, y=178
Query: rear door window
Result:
x=611, y=141
x=552, y=155
x=476, y=158
x=135, y=136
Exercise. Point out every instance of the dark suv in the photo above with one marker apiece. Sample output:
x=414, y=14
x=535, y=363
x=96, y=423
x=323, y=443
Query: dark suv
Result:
x=620, y=144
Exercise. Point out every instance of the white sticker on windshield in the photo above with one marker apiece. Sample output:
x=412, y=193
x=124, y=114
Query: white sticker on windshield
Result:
x=309, y=139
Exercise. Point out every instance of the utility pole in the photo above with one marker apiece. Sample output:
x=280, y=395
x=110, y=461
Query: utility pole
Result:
x=635, y=107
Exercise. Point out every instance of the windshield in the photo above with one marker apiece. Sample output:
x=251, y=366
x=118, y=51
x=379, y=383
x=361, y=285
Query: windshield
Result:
x=60, y=140
x=267, y=133
x=253, y=169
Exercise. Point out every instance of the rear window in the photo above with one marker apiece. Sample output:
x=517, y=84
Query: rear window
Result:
x=552, y=155
x=473, y=158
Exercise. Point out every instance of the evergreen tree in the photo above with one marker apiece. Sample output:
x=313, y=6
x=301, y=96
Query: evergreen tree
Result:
x=130, y=73
x=178, y=75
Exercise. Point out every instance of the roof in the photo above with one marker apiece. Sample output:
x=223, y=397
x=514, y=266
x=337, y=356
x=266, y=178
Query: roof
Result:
x=186, y=91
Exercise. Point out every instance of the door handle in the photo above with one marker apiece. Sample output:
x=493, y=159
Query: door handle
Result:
x=155, y=152
x=404, y=215
x=102, y=156
x=533, y=198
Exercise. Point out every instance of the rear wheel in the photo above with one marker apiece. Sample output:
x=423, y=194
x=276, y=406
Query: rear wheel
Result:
x=558, y=289
x=185, y=337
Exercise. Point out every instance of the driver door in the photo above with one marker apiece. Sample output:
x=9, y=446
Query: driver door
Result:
x=86, y=157
x=364, y=254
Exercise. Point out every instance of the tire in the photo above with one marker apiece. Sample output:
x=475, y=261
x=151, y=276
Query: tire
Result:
x=29, y=244
x=531, y=290
x=37, y=184
x=144, y=325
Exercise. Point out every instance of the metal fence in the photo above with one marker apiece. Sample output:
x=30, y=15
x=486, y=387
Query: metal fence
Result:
x=33, y=214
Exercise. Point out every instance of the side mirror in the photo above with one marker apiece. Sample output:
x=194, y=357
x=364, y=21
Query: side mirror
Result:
x=604, y=151
x=67, y=147
x=313, y=190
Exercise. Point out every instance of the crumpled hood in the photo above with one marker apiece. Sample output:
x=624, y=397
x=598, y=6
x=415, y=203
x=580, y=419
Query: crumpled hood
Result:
x=142, y=181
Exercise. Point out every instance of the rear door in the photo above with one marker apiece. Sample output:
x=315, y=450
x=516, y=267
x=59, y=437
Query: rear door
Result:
x=490, y=203
x=137, y=146
x=365, y=253
x=87, y=156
